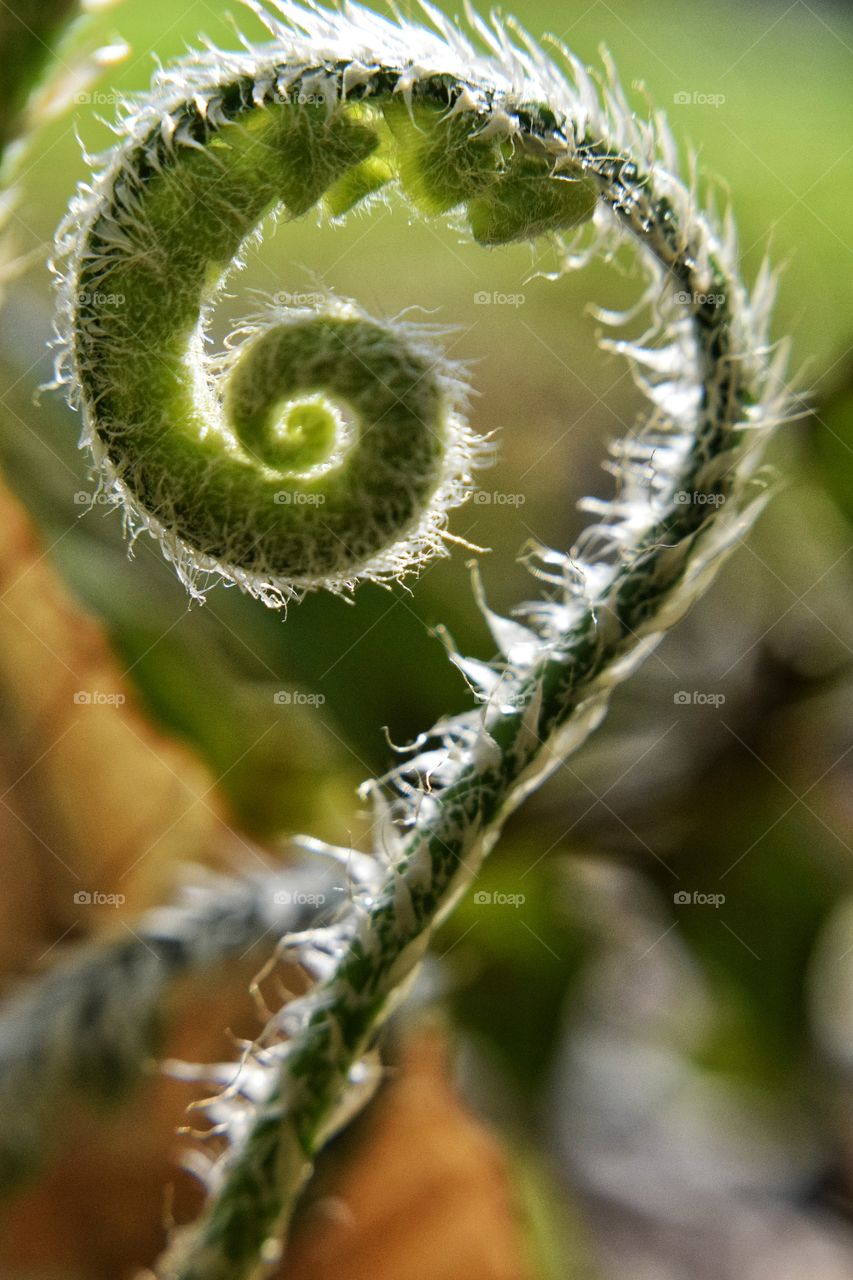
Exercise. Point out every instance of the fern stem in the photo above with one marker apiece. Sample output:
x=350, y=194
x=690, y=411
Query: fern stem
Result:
x=339, y=107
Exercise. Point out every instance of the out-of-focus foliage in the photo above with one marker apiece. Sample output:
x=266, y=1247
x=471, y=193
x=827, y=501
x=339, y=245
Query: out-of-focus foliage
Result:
x=680, y=1069
x=29, y=37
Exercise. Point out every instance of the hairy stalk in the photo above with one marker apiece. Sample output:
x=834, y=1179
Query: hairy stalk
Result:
x=342, y=107
x=90, y=1024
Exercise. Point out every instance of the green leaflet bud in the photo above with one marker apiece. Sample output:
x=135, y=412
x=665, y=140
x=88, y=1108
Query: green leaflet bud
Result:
x=364, y=180
x=442, y=160
x=528, y=199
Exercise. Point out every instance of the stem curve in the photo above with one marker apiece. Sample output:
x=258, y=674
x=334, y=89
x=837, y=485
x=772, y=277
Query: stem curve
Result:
x=512, y=144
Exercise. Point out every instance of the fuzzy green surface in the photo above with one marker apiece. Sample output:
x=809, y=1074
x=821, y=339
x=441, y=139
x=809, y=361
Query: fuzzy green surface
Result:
x=220, y=472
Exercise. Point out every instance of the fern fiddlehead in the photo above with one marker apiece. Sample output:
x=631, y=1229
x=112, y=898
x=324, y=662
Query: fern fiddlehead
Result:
x=338, y=107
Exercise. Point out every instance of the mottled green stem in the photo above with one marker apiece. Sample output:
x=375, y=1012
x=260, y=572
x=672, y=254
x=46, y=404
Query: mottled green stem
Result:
x=338, y=108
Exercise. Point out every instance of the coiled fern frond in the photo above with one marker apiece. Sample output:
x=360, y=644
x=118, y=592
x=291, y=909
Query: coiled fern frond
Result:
x=327, y=447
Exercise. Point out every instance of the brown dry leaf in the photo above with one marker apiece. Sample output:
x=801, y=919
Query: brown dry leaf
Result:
x=422, y=1194
x=426, y=1195
x=92, y=798
x=100, y=1210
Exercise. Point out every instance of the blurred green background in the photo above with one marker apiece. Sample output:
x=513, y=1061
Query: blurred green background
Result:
x=682, y=1067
